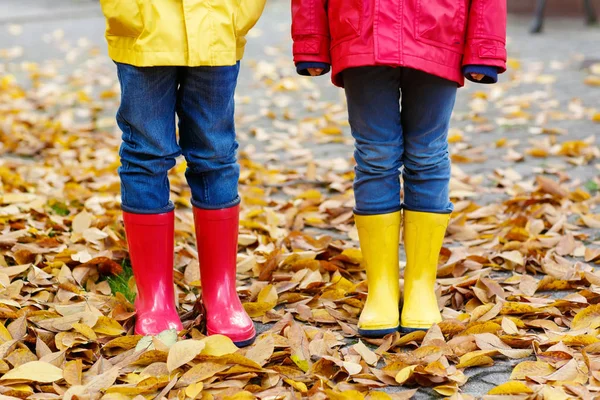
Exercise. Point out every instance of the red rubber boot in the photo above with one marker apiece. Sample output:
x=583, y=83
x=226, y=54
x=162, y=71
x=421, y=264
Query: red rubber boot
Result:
x=217, y=237
x=150, y=239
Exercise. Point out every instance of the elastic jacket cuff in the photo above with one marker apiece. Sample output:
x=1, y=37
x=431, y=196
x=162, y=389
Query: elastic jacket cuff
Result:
x=302, y=67
x=490, y=72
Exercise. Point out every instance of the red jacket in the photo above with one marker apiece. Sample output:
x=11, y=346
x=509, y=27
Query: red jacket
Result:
x=435, y=36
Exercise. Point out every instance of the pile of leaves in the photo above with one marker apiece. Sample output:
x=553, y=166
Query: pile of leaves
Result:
x=517, y=277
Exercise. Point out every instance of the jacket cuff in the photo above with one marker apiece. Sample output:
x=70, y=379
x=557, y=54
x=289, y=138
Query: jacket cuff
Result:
x=302, y=67
x=490, y=72
x=311, y=48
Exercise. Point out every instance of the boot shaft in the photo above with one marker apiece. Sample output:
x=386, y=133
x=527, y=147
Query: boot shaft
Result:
x=217, y=238
x=150, y=238
x=423, y=238
x=379, y=237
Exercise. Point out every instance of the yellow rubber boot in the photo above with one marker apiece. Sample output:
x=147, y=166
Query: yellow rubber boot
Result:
x=423, y=237
x=379, y=239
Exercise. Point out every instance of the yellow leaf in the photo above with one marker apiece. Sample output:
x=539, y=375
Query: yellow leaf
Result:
x=300, y=362
x=485, y=327
x=476, y=359
x=511, y=387
x=239, y=361
x=123, y=342
x=4, y=333
x=455, y=137
x=545, y=79
x=37, y=371
x=301, y=387
x=311, y=194
x=353, y=255
x=528, y=369
x=183, y=352
x=446, y=390
x=579, y=195
x=539, y=153
x=592, y=80
x=267, y=299
x=513, y=64
x=375, y=395
x=572, y=148
x=331, y=130
x=151, y=356
x=588, y=318
x=322, y=316
x=591, y=220
x=243, y=395
x=194, y=389
x=512, y=307
x=218, y=345
x=108, y=326
x=411, y=337
x=4, y=367
x=347, y=395
x=85, y=331
x=17, y=391
x=405, y=374
x=596, y=117
x=578, y=340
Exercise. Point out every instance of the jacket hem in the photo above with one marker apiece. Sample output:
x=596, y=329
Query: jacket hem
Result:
x=173, y=58
x=453, y=74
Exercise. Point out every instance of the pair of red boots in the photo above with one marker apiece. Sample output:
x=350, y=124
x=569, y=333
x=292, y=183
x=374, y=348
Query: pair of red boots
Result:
x=151, y=248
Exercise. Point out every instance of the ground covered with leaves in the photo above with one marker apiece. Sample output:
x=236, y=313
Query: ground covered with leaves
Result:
x=517, y=274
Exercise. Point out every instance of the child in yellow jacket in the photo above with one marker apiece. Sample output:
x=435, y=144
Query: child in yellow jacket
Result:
x=180, y=58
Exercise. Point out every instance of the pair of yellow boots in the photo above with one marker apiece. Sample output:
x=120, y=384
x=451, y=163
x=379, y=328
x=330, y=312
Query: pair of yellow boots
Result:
x=379, y=239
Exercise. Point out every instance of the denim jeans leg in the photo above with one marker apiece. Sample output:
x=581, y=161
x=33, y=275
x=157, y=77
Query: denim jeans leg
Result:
x=146, y=117
x=205, y=107
x=427, y=103
x=373, y=95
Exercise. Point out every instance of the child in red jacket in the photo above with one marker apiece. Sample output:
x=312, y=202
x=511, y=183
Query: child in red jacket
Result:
x=400, y=63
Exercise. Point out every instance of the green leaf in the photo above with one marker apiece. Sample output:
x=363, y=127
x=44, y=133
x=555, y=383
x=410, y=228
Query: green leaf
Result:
x=120, y=283
x=592, y=186
x=300, y=362
x=60, y=209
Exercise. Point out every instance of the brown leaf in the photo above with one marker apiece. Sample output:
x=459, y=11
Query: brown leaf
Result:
x=566, y=245
x=199, y=373
x=487, y=341
x=73, y=372
x=262, y=350
x=18, y=328
x=549, y=186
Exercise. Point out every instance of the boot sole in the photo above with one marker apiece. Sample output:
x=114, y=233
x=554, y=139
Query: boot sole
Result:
x=410, y=330
x=376, y=333
x=245, y=343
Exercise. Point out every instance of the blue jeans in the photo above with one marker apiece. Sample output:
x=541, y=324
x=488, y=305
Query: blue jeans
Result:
x=399, y=118
x=202, y=99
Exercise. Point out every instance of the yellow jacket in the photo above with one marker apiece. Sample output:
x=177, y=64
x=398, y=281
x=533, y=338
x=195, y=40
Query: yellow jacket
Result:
x=189, y=33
